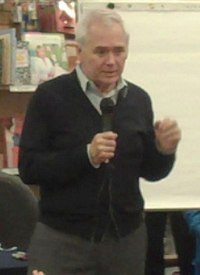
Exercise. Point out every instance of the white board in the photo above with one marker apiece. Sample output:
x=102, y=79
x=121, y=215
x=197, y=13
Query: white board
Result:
x=164, y=59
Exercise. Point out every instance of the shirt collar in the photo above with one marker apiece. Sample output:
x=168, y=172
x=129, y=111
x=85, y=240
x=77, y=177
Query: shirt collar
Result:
x=87, y=84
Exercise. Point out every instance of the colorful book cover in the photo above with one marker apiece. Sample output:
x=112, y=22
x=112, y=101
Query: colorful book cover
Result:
x=48, y=55
x=23, y=70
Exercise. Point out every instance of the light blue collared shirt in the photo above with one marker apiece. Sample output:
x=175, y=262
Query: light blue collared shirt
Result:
x=91, y=91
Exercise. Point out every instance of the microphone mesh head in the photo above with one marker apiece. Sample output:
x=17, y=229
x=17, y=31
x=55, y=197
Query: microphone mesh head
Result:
x=107, y=105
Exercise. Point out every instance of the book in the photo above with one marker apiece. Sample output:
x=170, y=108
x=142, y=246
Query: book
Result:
x=10, y=133
x=5, y=59
x=53, y=18
x=47, y=19
x=23, y=68
x=1, y=59
x=8, y=46
x=48, y=55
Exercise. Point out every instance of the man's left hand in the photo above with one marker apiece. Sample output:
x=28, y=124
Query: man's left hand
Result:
x=168, y=135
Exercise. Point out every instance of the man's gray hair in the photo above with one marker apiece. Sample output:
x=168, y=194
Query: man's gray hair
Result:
x=105, y=16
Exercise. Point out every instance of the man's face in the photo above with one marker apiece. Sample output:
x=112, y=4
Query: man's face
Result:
x=103, y=55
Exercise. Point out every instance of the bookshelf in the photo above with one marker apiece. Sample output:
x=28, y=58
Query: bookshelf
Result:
x=10, y=103
x=14, y=102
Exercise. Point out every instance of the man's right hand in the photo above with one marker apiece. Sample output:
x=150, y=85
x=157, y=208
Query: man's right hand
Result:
x=102, y=147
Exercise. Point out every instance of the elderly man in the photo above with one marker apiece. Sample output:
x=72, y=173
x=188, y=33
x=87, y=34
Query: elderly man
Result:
x=88, y=156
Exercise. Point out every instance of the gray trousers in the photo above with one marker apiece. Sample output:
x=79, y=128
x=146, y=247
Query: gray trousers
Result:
x=56, y=253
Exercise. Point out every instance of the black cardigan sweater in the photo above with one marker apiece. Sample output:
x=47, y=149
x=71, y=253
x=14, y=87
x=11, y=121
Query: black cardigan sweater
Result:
x=76, y=198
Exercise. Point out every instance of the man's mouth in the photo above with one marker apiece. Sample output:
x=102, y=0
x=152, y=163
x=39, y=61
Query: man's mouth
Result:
x=110, y=73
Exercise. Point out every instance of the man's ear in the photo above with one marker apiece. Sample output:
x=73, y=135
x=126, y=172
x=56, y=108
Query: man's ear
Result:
x=79, y=53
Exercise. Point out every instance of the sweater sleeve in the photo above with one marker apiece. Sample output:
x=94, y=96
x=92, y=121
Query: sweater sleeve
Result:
x=40, y=162
x=155, y=165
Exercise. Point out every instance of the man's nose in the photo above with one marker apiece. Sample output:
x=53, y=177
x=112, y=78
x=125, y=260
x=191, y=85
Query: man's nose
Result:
x=110, y=59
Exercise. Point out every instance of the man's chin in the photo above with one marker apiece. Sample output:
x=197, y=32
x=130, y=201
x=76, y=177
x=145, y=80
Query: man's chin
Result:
x=107, y=82
x=111, y=80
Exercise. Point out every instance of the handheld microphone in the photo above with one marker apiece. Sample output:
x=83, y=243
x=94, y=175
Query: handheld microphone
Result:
x=107, y=106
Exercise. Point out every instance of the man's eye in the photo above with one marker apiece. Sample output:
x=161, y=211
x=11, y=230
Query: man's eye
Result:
x=100, y=51
x=119, y=50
